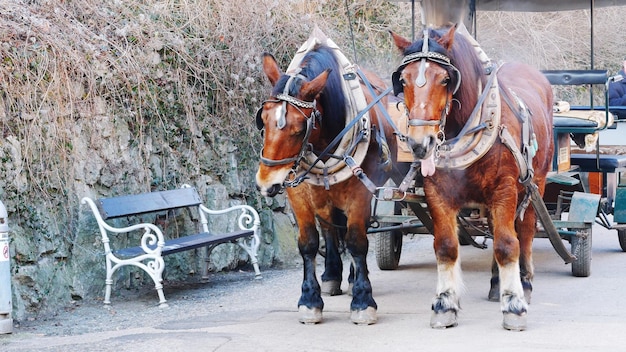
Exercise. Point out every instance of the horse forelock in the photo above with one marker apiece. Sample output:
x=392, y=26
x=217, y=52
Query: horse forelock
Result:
x=432, y=46
x=294, y=88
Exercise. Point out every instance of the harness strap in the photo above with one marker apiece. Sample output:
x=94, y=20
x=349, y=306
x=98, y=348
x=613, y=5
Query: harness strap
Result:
x=477, y=135
x=348, y=127
x=476, y=113
x=333, y=169
x=532, y=195
x=525, y=170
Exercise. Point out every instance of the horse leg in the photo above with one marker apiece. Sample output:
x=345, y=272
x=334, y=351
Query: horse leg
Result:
x=445, y=305
x=363, y=307
x=506, y=247
x=351, y=278
x=494, y=289
x=310, y=304
x=333, y=265
x=526, y=233
x=526, y=230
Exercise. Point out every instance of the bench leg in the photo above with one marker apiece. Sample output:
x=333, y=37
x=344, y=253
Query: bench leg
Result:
x=108, y=282
x=162, y=301
x=257, y=271
x=251, y=248
x=107, y=291
x=153, y=267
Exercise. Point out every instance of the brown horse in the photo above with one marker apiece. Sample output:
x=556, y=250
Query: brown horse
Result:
x=302, y=120
x=480, y=139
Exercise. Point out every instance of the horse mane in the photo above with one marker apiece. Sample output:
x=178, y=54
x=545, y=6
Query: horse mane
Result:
x=332, y=98
x=463, y=56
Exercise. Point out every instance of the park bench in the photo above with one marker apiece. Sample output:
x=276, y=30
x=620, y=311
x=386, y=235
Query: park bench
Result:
x=153, y=245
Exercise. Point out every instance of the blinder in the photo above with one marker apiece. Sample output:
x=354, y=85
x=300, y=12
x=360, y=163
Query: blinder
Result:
x=259, y=120
x=396, y=80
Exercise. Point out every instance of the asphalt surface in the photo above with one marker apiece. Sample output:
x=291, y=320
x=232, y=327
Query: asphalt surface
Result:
x=237, y=313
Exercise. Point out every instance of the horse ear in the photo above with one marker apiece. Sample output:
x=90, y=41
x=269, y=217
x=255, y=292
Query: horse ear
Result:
x=447, y=39
x=271, y=69
x=311, y=89
x=401, y=42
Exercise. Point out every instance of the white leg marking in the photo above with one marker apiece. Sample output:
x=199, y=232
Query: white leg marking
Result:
x=511, y=285
x=449, y=278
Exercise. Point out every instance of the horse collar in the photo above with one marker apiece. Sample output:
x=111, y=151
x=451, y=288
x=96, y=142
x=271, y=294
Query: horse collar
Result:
x=478, y=134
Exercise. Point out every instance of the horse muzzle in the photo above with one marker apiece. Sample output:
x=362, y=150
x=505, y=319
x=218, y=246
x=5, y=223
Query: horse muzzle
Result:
x=271, y=191
x=421, y=149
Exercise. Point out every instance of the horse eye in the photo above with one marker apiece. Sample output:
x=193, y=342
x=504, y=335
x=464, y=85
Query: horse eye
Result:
x=300, y=131
x=403, y=82
x=445, y=81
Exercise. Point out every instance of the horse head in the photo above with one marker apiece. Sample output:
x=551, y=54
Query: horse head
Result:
x=429, y=81
x=287, y=119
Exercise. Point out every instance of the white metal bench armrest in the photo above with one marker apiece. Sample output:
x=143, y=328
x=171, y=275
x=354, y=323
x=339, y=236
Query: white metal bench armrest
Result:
x=151, y=237
x=248, y=219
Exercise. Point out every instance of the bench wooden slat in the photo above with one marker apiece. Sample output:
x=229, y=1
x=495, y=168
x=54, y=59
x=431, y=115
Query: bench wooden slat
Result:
x=187, y=243
x=137, y=204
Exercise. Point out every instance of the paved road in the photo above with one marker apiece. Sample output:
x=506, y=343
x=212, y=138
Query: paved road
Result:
x=240, y=314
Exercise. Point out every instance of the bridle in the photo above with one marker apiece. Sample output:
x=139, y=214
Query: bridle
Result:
x=422, y=56
x=281, y=122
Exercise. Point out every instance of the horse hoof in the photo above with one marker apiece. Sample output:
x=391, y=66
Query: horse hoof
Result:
x=443, y=320
x=309, y=315
x=364, y=317
x=494, y=295
x=331, y=288
x=514, y=322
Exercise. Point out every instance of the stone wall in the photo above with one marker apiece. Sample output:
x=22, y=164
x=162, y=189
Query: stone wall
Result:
x=57, y=254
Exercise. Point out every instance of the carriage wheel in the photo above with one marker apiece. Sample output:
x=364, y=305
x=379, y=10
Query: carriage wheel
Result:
x=621, y=235
x=581, y=248
x=388, y=249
